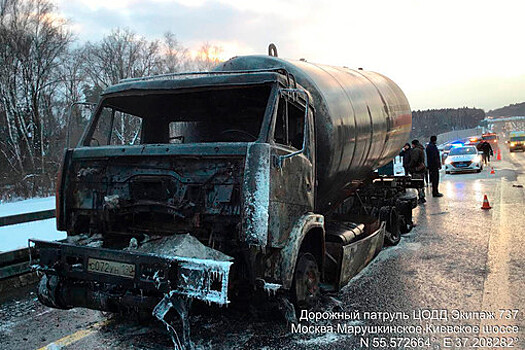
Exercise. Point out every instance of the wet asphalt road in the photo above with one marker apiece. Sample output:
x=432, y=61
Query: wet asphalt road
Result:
x=458, y=257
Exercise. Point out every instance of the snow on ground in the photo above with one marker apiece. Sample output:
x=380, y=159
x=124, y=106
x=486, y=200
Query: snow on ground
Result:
x=27, y=206
x=16, y=236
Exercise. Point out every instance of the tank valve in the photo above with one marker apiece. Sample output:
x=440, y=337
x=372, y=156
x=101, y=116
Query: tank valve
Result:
x=272, y=50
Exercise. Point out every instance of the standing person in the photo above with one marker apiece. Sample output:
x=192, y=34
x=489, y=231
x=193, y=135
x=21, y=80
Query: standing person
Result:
x=434, y=165
x=416, y=166
x=405, y=155
x=486, y=148
x=425, y=176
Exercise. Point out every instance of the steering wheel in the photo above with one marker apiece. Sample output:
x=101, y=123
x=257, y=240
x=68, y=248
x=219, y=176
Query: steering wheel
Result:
x=238, y=131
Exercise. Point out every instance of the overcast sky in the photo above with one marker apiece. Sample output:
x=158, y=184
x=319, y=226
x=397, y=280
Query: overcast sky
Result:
x=442, y=53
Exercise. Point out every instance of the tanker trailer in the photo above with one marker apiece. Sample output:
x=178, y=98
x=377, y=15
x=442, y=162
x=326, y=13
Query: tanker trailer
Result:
x=257, y=176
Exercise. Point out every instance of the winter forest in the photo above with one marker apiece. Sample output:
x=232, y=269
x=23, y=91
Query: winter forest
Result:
x=44, y=70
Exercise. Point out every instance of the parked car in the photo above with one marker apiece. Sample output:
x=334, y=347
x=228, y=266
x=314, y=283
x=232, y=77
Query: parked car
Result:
x=463, y=159
x=446, y=147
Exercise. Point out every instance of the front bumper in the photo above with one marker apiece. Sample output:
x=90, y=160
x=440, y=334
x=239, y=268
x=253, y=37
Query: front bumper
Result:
x=456, y=169
x=154, y=275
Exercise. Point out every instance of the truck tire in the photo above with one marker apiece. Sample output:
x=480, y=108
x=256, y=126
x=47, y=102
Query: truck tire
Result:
x=393, y=233
x=305, y=290
x=405, y=217
x=48, y=292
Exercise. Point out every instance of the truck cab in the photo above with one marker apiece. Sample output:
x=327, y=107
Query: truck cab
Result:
x=226, y=159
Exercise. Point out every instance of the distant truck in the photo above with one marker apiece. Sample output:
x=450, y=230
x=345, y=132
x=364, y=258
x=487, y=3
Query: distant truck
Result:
x=491, y=138
x=516, y=141
x=257, y=176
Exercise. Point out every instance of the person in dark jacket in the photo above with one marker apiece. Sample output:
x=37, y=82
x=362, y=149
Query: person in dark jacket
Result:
x=416, y=166
x=434, y=164
x=405, y=155
x=486, y=148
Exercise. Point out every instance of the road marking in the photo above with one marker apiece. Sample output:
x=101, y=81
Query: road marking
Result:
x=75, y=337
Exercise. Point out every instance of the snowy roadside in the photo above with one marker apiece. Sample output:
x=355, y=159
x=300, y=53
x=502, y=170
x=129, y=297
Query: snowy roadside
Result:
x=16, y=236
x=27, y=206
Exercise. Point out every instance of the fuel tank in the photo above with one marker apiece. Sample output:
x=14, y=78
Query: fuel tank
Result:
x=362, y=120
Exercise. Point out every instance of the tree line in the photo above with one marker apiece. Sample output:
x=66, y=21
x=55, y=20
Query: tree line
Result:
x=43, y=70
x=512, y=110
x=437, y=121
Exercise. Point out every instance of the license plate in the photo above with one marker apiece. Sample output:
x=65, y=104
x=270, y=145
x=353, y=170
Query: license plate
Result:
x=461, y=165
x=114, y=268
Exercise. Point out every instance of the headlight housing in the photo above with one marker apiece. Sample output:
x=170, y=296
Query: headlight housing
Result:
x=477, y=159
x=448, y=160
x=512, y=144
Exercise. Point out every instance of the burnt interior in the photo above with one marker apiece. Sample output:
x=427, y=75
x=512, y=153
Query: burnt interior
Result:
x=232, y=114
x=157, y=195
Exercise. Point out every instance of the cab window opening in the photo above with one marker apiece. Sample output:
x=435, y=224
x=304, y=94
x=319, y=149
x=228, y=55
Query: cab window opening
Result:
x=212, y=115
x=289, y=125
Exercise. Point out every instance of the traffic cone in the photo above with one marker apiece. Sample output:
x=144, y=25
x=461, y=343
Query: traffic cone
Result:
x=499, y=155
x=492, y=172
x=486, y=204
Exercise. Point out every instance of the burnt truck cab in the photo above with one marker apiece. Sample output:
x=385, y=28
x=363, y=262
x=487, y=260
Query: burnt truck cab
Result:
x=189, y=185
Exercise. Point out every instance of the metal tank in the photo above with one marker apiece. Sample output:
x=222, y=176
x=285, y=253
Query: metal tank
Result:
x=362, y=120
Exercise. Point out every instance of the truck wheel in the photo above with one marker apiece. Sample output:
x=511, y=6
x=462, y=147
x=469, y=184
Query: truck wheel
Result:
x=405, y=217
x=393, y=234
x=406, y=225
x=48, y=292
x=306, y=281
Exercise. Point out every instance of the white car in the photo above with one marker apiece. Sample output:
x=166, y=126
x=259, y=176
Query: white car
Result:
x=463, y=159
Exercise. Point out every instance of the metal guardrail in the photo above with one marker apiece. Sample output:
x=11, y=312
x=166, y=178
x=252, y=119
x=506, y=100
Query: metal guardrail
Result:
x=27, y=217
x=16, y=262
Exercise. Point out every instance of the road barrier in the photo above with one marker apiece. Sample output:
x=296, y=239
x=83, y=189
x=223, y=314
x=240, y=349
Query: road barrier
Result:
x=27, y=217
x=16, y=262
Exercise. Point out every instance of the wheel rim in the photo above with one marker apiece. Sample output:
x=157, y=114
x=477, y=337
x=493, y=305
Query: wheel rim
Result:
x=306, y=281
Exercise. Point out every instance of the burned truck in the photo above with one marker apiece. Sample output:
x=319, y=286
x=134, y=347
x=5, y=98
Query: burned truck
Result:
x=256, y=176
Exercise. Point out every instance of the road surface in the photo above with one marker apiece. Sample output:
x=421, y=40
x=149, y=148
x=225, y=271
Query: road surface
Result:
x=458, y=258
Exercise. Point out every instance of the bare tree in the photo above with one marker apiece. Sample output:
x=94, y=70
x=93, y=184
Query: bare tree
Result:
x=32, y=41
x=207, y=57
x=175, y=56
x=41, y=76
x=121, y=54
